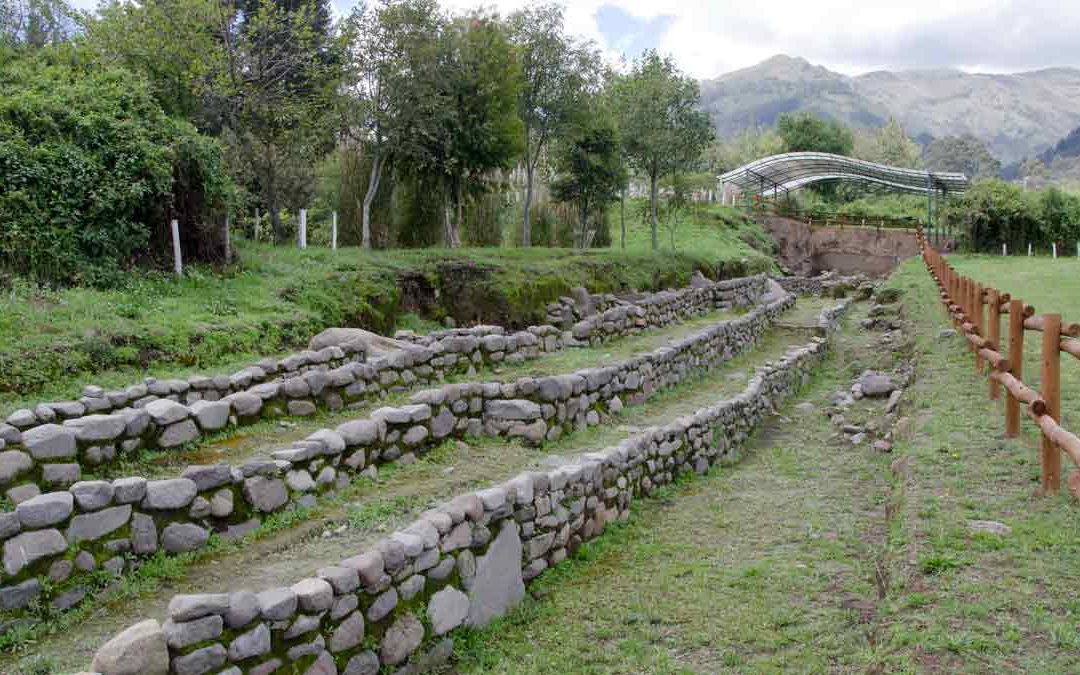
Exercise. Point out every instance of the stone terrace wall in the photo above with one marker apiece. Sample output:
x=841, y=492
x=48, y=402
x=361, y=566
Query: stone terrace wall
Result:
x=825, y=284
x=103, y=524
x=463, y=563
x=37, y=455
x=97, y=401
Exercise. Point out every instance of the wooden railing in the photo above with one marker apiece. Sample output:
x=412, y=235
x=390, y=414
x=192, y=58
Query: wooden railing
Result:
x=976, y=311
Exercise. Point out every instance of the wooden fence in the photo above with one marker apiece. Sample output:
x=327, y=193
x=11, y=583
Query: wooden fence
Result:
x=977, y=312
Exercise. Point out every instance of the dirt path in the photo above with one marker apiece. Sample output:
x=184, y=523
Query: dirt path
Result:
x=368, y=510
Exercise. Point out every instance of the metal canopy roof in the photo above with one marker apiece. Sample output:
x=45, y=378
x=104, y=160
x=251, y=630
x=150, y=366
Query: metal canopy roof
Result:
x=794, y=170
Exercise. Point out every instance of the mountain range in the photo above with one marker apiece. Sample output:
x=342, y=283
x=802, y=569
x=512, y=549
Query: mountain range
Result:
x=1018, y=115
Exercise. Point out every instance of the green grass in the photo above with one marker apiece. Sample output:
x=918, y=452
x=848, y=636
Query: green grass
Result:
x=1051, y=286
x=274, y=299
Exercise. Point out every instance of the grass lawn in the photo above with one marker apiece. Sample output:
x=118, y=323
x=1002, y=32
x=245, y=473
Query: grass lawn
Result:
x=53, y=341
x=1051, y=286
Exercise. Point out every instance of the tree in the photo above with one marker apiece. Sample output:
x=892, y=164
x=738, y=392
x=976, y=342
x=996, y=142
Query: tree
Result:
x=660, y=121
x=176, y=44
x=37, y=23
x=805, y=132
x=746, y=146
x=473, y=127
x=591, y=170
x=889, y=145
x=963, y=154
x=391, y=49
x=275, y=96
x=557, y=74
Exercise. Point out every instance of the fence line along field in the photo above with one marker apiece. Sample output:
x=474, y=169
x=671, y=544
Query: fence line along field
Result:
x=964, y=300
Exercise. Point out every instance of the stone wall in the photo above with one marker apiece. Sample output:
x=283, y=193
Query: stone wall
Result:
x=828, y=284
x=107, y=524
x=37, y=455
x=463, y=563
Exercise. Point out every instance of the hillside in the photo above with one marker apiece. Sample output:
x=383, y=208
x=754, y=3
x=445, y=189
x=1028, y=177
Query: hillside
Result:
x=1018, y=115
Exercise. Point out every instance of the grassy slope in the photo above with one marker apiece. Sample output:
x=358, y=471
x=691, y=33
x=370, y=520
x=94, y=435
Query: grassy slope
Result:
x=813, y=556
x=53, y=341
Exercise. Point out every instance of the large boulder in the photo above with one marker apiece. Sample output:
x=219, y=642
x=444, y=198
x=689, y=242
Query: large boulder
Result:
x=139, y=650
x=498, y=585
x=370, y=343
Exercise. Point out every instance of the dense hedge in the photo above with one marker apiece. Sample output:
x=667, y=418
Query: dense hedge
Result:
x=90, y=166
x=994, y=212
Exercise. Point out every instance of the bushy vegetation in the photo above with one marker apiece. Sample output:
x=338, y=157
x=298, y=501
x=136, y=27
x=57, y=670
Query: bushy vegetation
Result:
x=91, y=169
x=994, y=212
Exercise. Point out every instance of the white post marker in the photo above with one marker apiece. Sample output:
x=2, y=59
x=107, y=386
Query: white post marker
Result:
x=1054, y=246
x=333, y=233
x=228, y=244
x=303, y=228
x=256, y=224
x=178, y=261
x=1029, y=249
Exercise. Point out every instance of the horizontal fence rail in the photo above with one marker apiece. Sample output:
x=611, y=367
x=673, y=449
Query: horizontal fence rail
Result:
x=976, y=311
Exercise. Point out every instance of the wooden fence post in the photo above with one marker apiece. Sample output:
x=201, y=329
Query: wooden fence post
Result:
x=333, y=233
x=980, y=323
x=993, y=334
x=1016, y=365
x=302, y=234
x=178, y=260
x=257, y=222
x=1051, y=393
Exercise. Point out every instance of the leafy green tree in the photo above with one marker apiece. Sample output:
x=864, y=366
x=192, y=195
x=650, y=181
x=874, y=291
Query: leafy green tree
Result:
x=746, y=146
x=889, y=145
x=392, y=59
x=963, y=154
x=275, y=97
x=34, y=24
x=591, y=171
x=805, y=132
x=661, y=123
x=473, y=128
x=176, y=44
x=558, y=73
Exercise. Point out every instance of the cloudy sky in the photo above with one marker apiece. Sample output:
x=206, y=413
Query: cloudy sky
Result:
x=710, y=37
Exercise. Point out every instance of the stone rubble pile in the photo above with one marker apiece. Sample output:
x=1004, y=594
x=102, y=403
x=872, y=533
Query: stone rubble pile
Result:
x=464, y=563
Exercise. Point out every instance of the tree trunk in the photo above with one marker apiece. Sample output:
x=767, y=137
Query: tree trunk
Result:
x=275, y=221
x=526, y=228
x=654, y=193
x=583, y=237
x=622, y=216
x=369, y=198
x=458, y=222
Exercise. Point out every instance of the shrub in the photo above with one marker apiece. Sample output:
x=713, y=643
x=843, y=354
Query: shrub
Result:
x=89, y=166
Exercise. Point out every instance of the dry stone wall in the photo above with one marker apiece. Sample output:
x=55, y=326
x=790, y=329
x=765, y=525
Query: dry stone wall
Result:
x=394, y=607
x=50, y=448
x=52, y=537
x=828, y=284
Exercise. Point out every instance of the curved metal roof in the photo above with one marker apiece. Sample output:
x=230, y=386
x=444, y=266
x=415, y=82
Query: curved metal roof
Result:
x=794, y=170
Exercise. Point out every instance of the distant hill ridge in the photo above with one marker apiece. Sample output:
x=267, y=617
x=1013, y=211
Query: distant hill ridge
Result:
x=1019, y=115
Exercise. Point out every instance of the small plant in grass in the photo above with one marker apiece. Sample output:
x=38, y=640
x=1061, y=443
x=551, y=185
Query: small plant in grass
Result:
x=939, y=564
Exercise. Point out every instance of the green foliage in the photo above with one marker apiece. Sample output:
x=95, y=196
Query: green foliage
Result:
x=805, y=132
x=591, y=173
x=888, y=145
x=993, y=212
x=962, y=154
x=484, y=217
x=89, y=168
x=660, y=121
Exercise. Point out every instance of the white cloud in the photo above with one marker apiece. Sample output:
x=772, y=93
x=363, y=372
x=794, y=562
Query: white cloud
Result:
x=710, y=37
